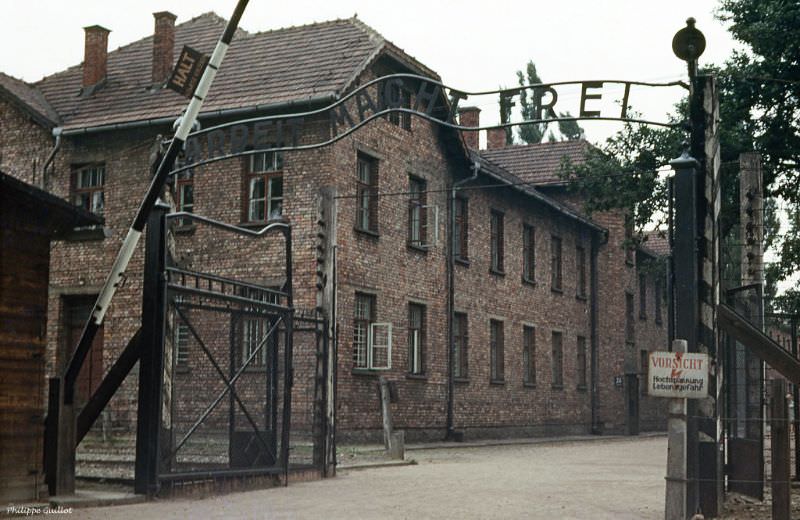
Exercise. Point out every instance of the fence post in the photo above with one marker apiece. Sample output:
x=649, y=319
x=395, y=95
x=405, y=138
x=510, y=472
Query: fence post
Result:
x=676, y=453
x=779, y=425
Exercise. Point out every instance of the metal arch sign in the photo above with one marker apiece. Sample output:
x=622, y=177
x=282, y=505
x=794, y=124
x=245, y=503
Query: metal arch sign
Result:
x=392, y=94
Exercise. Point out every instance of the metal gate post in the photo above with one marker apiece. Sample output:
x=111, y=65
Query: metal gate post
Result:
x=151, y=362
x=686, y=300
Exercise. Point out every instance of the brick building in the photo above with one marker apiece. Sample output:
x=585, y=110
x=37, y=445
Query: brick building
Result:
x=551, y=315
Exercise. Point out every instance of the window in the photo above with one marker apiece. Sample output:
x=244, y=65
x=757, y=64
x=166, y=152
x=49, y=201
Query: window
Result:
x=461, y=231
x=528, y=355
x=416, y=339
x=581, y=362
x=367, y=194
x=629, y=248
x=528, y=253
x=644, y=363
x=372, y=342
x=88, y=184
x=417, y=223
x=497, y=241
x=460, y=338
x=254, y=332
x=181, y=344
x=629, y=330
x=184, y=194
x=580, y=272
x=558, y=360
x=555, y=263
x=642, y=297
x=658, y=295
x=264, y=187
x=399, y=98
x=496, y=350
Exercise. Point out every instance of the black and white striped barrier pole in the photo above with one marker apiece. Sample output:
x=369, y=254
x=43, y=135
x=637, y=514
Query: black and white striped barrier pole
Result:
x=117, y=274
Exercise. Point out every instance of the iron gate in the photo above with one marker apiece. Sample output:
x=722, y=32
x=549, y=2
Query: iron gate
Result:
x=744, y=389
x=228, y=360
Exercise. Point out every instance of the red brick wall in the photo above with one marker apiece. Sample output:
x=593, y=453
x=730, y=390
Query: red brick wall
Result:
x=24, y=144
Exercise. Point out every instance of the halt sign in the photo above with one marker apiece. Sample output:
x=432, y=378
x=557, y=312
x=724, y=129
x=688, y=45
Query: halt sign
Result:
x=678, y=374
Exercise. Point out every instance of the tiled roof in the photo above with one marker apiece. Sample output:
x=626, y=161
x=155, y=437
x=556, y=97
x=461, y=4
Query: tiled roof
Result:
x=657, y=242
x=537, y=163
x=266, y=68
x=29, y=98
x=515, y=182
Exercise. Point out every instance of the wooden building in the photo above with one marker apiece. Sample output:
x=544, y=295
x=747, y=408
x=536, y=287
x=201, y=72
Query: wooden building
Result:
x=29, y=219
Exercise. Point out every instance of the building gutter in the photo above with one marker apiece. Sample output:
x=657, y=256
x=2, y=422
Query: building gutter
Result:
x=213, y=114
x=451, y=267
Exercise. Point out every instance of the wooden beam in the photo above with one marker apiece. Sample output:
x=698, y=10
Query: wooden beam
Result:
x=759, y=343
x=108, y=387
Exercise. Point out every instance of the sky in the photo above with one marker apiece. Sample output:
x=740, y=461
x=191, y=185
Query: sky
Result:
x=473, y=45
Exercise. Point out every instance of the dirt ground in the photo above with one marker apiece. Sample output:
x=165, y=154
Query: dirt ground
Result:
x=591, y=479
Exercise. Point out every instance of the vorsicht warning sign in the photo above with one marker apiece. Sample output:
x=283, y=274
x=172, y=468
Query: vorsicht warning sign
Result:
x=678, y=374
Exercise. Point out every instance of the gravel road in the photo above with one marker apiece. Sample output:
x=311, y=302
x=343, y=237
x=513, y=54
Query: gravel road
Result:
x=620, y=478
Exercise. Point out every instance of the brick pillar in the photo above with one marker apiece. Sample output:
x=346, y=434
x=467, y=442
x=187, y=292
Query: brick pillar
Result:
x=496, y=138
x=163, y=44
x=470, y=116
x=95, y=55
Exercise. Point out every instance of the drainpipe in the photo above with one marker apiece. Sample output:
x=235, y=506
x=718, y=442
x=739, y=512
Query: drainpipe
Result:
x=451, y=267
x=597, y=428
x=57, y=134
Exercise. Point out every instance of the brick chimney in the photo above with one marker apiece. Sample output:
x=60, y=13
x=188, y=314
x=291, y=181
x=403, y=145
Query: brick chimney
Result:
x=495, y=138
x=163, y=44
x=95, y=55
x=470, y=116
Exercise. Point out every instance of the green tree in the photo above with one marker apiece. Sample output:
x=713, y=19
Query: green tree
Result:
x=759, y=110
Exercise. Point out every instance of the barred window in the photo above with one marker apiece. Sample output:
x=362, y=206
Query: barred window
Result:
x=367, y=194
x=558, y=360
x=496, y=350
x=581, y=362
x=363, y=317
x=555, y=263
x=416, y=339
x=460, y=338
x=461, y=231
x=529, y=355
x=497, y=241
x=528, y=253
x=417, y=222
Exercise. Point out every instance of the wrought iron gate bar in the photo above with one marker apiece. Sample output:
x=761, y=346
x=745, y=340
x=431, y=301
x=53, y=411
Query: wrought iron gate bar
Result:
x=249, y=312
x=174, y=272
x=278, y=309
x=283, y=227
x=228, y=384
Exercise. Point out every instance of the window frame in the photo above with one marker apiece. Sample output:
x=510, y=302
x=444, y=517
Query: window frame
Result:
x=417, y=205
x=496, y=239
x=367, y=194
x=461, y=340
x=580, y=272
x=248, y=343
x=365, y=322
x=496, y=352
x=528, y=253
x=556, y=264
x=557, y=360
x=416, y=363
x=400, y=119
x=267, y=175
x=529, y=355
x=581, y=360
x=77, y=191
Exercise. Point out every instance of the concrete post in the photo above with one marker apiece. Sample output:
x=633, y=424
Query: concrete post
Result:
x=676, y=453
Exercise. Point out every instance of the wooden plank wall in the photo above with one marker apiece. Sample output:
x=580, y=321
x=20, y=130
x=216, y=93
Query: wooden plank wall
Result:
x=24, y=264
